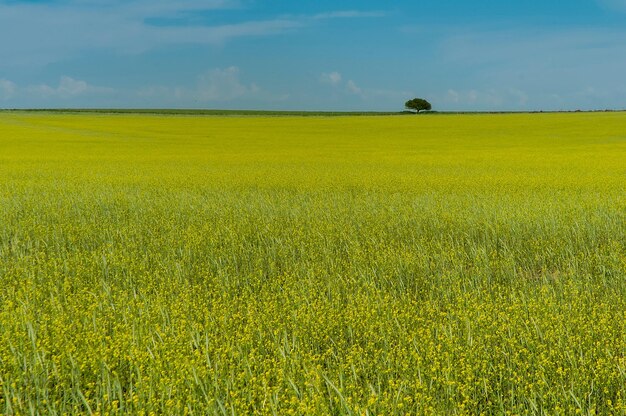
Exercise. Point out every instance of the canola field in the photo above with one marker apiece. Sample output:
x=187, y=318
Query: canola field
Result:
x=371, y=265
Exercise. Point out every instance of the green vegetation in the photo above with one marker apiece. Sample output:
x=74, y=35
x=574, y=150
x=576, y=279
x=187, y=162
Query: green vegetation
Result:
x=458, y=264
x=193, y=112
x=418, y=104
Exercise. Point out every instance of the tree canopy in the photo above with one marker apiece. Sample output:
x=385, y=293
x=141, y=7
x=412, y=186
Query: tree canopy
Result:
x=418, y=104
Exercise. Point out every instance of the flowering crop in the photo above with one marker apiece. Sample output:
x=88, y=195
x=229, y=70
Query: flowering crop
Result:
x=444, y=264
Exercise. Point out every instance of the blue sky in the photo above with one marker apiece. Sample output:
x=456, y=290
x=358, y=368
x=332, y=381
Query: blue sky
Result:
x=313, y=55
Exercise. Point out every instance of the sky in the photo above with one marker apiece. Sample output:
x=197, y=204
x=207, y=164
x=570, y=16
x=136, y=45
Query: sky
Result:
x=480, y=55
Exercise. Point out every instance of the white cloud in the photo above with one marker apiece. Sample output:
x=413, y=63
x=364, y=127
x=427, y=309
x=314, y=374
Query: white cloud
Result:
x=387, y=94
x=350, y=87
x=332, y=78
x=453, y=96
x=521, y=96
x=549, y=69
x=68, y=88
x=223, y=85
x=490, y=98
x=148, y=7
x=153, y=7
x=49, y=32
x=617, y=5
x=7, y=89
x=335, y=79
x=353, y=88
x=347, y=14
x=219, y=85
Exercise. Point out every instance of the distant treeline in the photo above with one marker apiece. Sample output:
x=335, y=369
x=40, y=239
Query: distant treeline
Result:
x=199, y=112
x=211, y=112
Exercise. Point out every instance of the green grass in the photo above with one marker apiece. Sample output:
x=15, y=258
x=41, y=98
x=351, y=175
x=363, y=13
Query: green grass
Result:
x=170, y=264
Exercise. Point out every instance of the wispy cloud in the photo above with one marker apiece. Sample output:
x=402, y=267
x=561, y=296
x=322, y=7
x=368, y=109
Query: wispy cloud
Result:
x=68, y=91
x=216, y=86
x=223, y=85
x=547, y=69
x=215, y=35
x=350, y=88
x=7, y=89
x=335, y=80
x=49, y=32
x=161, y=7
x=489, y=98
x=353, y=88
x=617, y=5
x=347, y=14
x=133, y=7
x=67, y=88
x=331, y=78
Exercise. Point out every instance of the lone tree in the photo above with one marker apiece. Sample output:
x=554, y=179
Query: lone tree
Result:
x=418, y=104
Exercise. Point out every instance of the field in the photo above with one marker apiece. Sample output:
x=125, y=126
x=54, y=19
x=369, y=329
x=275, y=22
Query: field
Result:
x=449, y=264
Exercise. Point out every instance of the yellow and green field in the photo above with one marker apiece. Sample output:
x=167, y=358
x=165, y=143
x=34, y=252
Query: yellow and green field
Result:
x=440, y=264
